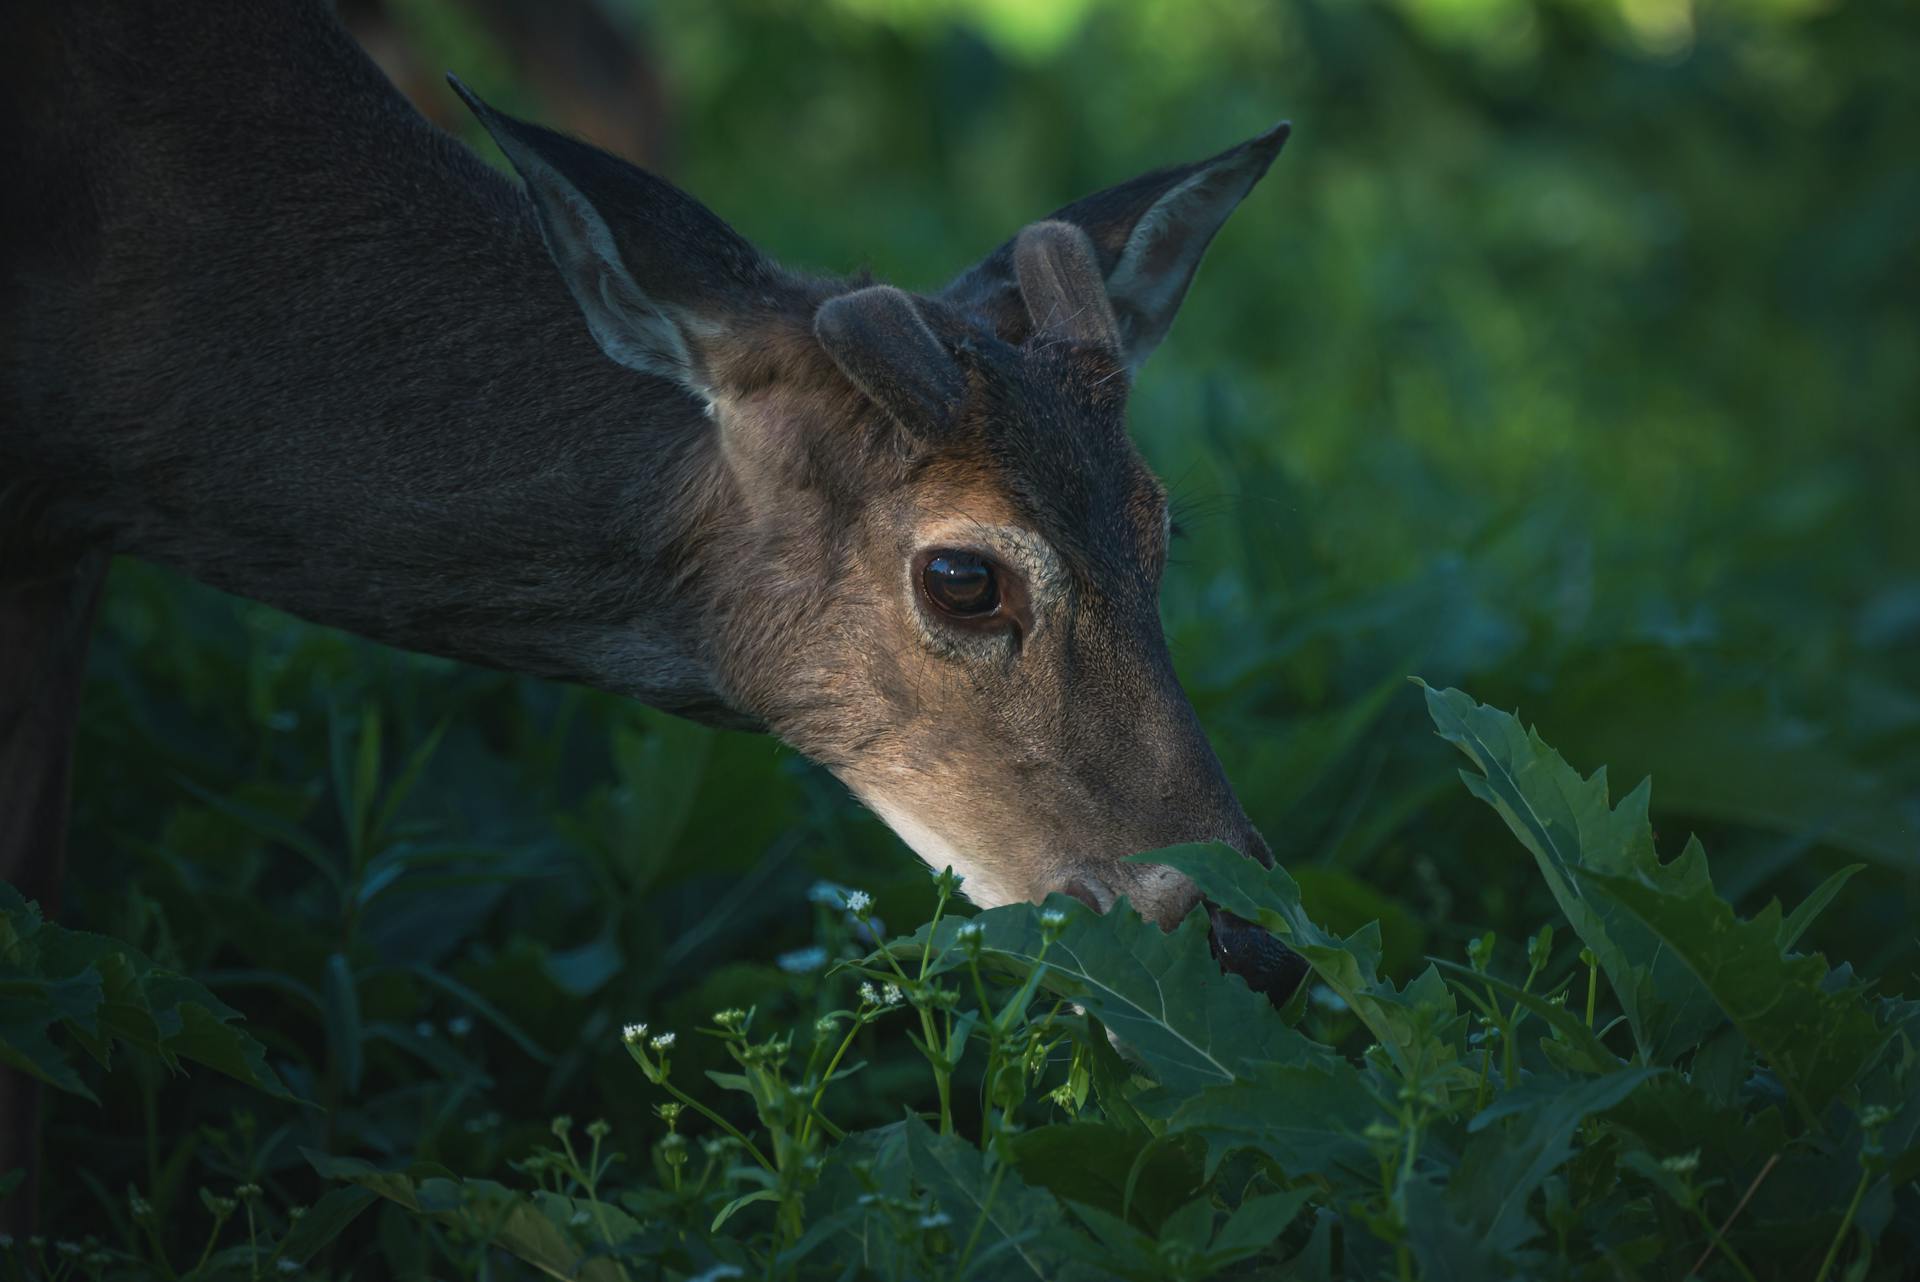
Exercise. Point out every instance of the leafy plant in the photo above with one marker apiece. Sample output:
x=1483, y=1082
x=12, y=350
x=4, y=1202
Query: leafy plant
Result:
x=1143, y=1116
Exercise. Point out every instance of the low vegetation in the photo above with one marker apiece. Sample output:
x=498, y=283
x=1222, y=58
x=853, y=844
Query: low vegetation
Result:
x=1664, y=1082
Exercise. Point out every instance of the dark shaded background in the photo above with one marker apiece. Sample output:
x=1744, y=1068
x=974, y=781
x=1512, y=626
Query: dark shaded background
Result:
x=1569, y=354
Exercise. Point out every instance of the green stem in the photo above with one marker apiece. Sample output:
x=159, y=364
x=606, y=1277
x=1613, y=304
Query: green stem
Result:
x=1593, y=991
x=1846, y=1222
x=1721, y=1245
x=718, y=1121
x=813, y=1105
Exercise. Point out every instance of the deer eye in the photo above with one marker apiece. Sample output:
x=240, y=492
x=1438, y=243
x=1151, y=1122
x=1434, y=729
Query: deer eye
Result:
x=961, y=584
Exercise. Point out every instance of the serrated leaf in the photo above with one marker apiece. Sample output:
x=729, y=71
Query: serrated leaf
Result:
x=1568, y=825
x=1160, y=992
x=1816, y=1040
x=1519, y=1140
x=97, y=991
x=1308, y=1119
x=1017, y=1229
x=1411, y=1024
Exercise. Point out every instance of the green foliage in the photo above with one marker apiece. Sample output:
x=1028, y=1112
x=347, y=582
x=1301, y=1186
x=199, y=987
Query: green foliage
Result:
x=1140, y=1115
x=63, y=989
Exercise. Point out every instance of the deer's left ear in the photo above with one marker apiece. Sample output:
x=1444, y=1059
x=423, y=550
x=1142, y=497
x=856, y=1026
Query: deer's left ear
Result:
x=657, y=275
x=1148, y=235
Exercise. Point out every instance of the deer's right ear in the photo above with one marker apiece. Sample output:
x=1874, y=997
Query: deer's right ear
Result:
x=1148, y=237
x=885, y=347
x=649, y=266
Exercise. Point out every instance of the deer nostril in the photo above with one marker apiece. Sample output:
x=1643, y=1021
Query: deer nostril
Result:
x=1246, y=950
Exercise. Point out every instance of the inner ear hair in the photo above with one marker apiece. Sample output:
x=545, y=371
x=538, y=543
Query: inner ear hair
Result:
x=1062, y=285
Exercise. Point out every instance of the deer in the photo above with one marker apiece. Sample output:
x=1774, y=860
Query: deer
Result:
x=263, y=324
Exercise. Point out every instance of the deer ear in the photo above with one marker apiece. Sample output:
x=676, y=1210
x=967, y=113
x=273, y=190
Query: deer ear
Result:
x=646, y=263
x=1148, y=236
x=883, y=344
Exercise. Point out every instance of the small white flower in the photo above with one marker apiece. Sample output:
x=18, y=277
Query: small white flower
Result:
x=802, y=961
x=869, y=994
x=825, y=1025
x=891, y=995
x=633, y=1033
x=662, y=1042
x=935, y=1220
x=858, y=901
x=1053, y=919
x=289, y=1267
x=968, y=931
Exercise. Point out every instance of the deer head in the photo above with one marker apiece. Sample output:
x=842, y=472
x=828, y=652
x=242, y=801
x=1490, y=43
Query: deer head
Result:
x=925, y=551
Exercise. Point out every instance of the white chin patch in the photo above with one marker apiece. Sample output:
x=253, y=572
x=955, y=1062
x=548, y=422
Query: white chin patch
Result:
x=938, y=853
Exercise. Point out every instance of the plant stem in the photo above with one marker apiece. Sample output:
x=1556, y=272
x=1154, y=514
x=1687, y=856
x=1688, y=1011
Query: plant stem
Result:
x=1846, y=1222
x=813, y=1105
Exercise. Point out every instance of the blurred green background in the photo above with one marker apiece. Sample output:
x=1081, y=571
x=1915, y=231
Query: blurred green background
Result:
x=1570, y=354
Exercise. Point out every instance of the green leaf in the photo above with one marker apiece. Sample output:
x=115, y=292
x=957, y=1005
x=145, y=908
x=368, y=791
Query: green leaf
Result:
x=1307, y=1119
x=1519, y=1140
x=1092, y=1162
x=1160, y=992
x=97, y=991
x=1411, y=1024
x=341, y=1006
x=1813, y=905
x=324, y=1221
x=1017, y=1230
x=1253, y=1228
x=1589, y=1053
x=1817, y=1040
x=536, y=1228
x=1567, y=824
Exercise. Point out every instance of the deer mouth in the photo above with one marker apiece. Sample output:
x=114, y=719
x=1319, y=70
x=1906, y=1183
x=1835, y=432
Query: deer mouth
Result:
x=1242, y=948
x=1257, y=956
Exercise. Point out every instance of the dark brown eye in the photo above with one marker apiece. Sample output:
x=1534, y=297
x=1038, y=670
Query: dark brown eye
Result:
x=961, y=584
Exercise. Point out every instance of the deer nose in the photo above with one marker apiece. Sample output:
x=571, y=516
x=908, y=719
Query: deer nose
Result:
x=1250, y=951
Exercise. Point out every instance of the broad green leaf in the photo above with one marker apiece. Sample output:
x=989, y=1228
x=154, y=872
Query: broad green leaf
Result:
x=1160, y=992
x=1412, y=1024
x=1253, y=1227
x=1017, y=1229
x=1519, y=1140
x=1091, y=1163
x=1308, y=1119
x=1817, y=1040
x=1568, y=825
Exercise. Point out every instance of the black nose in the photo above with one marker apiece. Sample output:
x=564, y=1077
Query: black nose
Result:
x=1246, y=950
